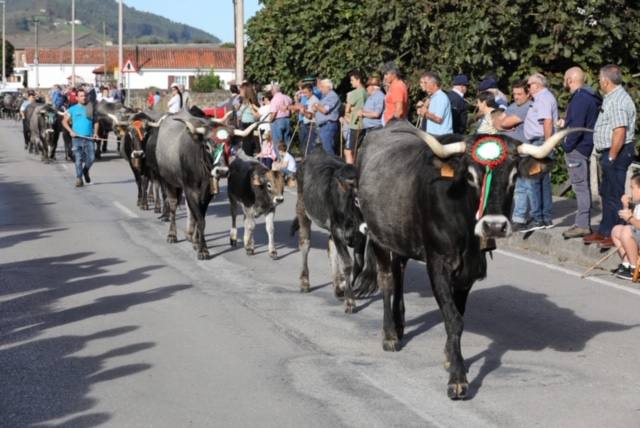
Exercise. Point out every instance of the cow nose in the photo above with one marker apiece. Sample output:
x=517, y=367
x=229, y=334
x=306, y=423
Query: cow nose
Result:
x=493, y=226
x=279, y=199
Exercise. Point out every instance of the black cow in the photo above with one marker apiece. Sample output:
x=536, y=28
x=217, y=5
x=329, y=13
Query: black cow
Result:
x=326, y=196
x=258, y=190
x=44, y=129
x=111, y=117
x=422, y=201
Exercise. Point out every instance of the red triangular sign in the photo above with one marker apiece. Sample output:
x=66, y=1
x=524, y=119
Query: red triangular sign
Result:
x=128, y=67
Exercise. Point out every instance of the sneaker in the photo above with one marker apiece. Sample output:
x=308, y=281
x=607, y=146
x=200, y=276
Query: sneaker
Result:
x=617, y=269
x=625, y=273
x=548, y=224
x=518, y=227
x=576, y=232
x=79, y=182
x=85, y=172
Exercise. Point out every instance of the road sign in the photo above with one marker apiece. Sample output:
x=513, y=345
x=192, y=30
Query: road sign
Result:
x=128, y=67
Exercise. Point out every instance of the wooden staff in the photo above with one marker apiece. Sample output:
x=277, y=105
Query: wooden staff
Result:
x=599, y=262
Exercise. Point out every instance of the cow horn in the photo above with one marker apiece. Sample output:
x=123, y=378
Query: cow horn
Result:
x=153, y=124
x=441, y=150
x=60, y=113
x=222, y=121
x=246, y=132
x=541, y=152
x=192, y=129
x=113, y=118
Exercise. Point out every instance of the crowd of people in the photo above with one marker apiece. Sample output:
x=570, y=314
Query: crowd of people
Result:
x=532, y=116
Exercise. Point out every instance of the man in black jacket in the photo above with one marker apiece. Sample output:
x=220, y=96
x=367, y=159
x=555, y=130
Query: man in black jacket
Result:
x=582, y=112
x=459, y=106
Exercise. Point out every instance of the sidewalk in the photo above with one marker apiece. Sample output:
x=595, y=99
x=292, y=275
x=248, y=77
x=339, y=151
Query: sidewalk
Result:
x=549, y=242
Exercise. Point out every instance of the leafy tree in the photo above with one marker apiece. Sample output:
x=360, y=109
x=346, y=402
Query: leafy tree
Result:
x=206, y=82
x=8, y=58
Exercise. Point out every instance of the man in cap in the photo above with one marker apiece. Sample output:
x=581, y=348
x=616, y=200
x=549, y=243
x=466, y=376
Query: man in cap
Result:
x=490, y=84
x=459, y=107
x=373, y=106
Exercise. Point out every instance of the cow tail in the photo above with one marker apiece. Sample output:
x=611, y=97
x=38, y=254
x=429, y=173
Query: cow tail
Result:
x=365, y=282
x=295, y=226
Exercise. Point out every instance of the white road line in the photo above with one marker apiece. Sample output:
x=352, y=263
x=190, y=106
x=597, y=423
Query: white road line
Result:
x=569, y=272
x=64, y=165
x=125, y=210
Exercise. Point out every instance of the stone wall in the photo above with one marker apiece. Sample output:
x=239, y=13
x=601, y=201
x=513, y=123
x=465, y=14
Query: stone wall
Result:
x=139, y=98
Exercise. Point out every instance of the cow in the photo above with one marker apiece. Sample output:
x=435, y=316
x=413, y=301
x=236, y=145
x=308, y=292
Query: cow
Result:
x=44, y=129
x=443, y=202
x=185, y=166
x=327, y=196
x=111, y=117
x=258, y=191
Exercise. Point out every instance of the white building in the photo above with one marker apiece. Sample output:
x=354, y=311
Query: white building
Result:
x=157, y=66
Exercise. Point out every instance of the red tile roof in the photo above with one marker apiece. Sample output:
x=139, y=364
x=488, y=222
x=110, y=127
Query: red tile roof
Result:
x=150, y=57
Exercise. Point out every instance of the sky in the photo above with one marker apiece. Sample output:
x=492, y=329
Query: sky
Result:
x=213, y=16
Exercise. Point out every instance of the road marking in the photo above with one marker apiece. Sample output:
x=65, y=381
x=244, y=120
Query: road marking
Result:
x=125, y=210
x=569, y=272
x=64, y=165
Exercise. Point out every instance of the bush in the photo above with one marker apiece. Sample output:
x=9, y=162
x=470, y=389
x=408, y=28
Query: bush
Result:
x=207, y=82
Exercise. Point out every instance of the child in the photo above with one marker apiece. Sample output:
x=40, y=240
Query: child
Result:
x=286, y=164
x=627, y=236
x=267, y=153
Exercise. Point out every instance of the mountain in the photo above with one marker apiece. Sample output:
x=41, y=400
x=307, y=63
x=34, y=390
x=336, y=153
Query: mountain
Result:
x=54, y=28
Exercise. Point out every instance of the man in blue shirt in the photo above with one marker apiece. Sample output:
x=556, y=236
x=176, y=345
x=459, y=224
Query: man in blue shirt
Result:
x=327, y=114
x=437, y=109
x=582, y=112
x=82, y=129
x=373, y=106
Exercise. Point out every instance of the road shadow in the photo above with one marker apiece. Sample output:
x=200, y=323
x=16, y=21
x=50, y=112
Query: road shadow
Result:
x=22, y=204
x=535, y=324
x=11, y=240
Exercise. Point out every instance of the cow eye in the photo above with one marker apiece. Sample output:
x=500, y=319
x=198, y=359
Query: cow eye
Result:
x=269, y=186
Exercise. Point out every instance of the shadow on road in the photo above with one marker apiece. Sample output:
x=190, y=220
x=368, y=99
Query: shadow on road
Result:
x=42, y=378
x=11, y=240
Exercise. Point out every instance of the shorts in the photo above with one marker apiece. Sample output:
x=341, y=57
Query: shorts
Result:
x=350, y=143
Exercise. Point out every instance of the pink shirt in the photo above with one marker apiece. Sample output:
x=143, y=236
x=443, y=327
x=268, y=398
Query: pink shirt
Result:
x=267, y=150
x=280, y=102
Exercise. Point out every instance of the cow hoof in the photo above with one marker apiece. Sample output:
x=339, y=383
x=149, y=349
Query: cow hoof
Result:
x=339, y=292
x=234, y=243
x=391, y=345
x=157, y=210
x=172, y=239
x=145, y=206
x=304, y=289
x=189, y=237
x=273, y=255
x=350, y=309
x=250, y=251
x=458, y=391
x=203, y=255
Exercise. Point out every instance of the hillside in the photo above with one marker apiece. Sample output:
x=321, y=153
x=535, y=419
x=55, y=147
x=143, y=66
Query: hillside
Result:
x=54, y=29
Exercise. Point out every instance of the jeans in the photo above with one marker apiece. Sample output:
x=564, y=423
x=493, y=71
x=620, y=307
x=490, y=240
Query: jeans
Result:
x=578, y=166
x=281, y=132
x=308, y=135
x=614, y=175
x=521, y=200
x=541, y=198
x=84, y=152
x=328, y=133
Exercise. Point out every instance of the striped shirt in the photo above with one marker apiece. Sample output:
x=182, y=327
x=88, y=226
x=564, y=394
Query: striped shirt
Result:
x=617, y=111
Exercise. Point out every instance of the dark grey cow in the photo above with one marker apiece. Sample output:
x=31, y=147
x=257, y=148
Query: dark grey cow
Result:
x=45, y=124
x=259, y=191
x=327, y=196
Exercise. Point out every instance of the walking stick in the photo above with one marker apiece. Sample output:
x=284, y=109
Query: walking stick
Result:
x=293, y=134
x=599, y=262
x=306, y=149
x=341, y=138
x=355, y=144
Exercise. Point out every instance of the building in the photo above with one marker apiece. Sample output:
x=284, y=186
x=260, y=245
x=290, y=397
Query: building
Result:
x=158, y=66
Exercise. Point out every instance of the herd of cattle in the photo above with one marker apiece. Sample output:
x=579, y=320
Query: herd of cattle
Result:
x=443, y=201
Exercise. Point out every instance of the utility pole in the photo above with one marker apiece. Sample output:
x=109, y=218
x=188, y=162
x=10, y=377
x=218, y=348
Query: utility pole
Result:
x=104, y=52
x=4, y=46
x=36, y=57
x=239, y=21
x=120, y=51
x=73, y=43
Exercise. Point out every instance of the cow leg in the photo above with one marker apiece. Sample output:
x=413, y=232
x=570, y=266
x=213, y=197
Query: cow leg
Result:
x=190, y=223
x=145, y=195
x=336, y=275
x=197, y=210
x=173, y=194
x=249, y=227
x=268, y=221
x=138, y=177
x=347, y=269
x=390, y=340
x=441, y=283
x=233, y=233
x=398, y=265
x=304, y=240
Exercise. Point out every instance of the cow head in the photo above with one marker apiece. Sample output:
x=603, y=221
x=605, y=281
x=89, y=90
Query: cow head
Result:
x=347, y=203
x=268, y=186
x=489, y=166
x=50, y=121
x=136, y=131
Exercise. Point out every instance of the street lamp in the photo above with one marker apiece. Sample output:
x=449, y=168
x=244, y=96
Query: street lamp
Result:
x=73, y=43
x=4, y=46
x=120, y=53
x=239, y=36
x=36, y=57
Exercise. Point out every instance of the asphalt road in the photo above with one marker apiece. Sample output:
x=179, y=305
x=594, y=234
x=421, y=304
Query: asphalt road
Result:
x=102, y=323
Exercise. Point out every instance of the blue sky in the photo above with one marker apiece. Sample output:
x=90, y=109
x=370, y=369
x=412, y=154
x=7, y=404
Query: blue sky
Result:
x=213, y=16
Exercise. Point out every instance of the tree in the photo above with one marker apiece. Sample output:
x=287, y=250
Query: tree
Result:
x=206, y=82
x=9, y=64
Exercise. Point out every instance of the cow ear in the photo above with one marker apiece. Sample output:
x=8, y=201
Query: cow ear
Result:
x=255, y=180
x=531, y=167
